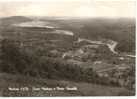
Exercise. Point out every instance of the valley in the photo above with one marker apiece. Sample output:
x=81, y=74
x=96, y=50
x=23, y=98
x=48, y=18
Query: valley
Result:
x=91, y=49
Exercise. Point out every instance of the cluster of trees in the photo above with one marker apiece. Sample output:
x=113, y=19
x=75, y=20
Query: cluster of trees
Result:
x=15, y=60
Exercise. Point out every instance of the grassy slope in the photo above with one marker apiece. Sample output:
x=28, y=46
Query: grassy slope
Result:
x=87, y=89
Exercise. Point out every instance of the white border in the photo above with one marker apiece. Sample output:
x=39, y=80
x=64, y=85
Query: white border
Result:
x=89, y=97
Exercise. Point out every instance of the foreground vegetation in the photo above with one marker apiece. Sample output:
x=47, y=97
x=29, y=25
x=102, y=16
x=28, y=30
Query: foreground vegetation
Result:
x=84, y=89
x=15, y=60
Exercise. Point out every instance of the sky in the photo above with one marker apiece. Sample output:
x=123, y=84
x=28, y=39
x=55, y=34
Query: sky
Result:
x=68, y=8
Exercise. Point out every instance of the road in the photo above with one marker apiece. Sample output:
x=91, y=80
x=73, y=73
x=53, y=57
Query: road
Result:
x=111, y=45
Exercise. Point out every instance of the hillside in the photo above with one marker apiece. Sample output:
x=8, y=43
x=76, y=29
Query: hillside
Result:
x=100, y=52
x=13, y=20
x=84, y=89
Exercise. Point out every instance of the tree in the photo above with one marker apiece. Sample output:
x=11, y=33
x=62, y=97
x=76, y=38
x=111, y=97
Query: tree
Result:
x=12, y=59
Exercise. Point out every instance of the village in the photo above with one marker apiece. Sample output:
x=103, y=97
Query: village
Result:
x=88, y=55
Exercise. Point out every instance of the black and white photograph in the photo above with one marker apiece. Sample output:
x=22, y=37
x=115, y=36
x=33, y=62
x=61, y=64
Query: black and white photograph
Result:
x=67, y=48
